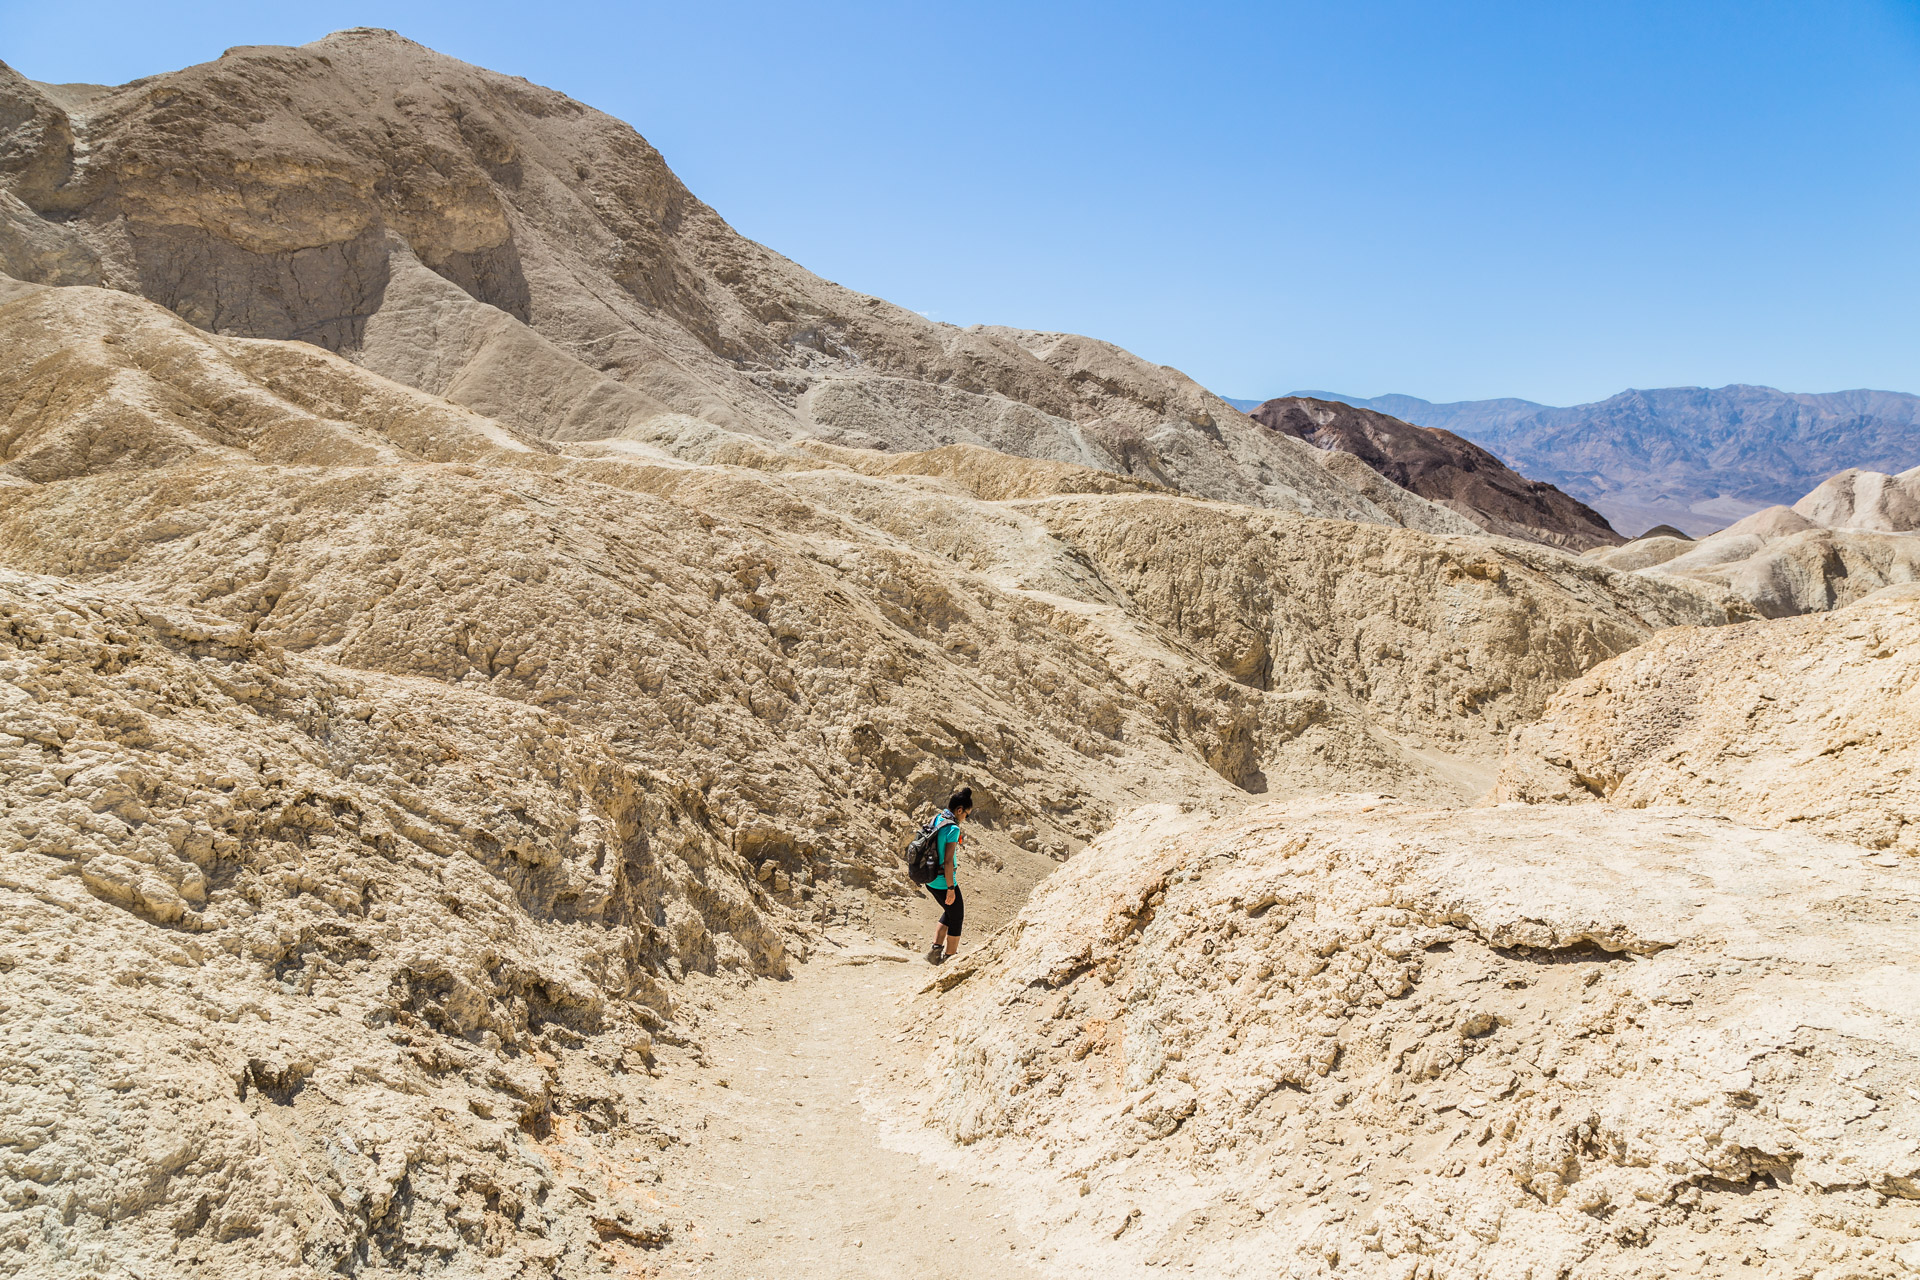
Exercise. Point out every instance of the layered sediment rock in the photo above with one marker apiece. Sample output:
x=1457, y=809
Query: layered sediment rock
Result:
x=309, y=968
x=1850, y=537
x=378, y=769
x=483, y=239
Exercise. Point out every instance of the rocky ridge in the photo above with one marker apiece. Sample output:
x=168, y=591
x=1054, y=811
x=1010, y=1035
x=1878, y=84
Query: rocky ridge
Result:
x=1442, y=466
x=308, y=967
x=1348, y=1038
x=1694, y=457
x=1853, y=535
x=1805, y=723
x=379, y=772
x=409, y=744
x=1644, y=1011
x=483, y=239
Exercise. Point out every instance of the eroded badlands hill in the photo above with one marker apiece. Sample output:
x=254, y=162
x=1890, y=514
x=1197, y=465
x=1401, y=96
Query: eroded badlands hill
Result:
x=1345, y=1038
x=892, y=623
x=1648, y=1012
x=390, y=730
x=257, y=905
x=1808, y=723
x=378, y=769
x=1851, y=536
x=484, y=239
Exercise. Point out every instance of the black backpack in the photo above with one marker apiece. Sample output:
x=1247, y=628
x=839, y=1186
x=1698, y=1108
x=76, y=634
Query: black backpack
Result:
x=923, y=855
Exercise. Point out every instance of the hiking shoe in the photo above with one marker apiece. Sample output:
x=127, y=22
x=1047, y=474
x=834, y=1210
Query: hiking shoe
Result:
x=935, y=955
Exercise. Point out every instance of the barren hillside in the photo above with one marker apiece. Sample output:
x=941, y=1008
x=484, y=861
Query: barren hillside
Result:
x=484, y=239
x=1695, y=457
x=1856, y=533
x=475, y=633
x=1346, y=1038
x=269, y=701
x=1806, y=723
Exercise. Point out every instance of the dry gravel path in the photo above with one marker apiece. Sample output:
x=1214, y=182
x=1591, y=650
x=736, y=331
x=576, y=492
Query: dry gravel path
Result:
x=790, y=1176
x=789, y=1173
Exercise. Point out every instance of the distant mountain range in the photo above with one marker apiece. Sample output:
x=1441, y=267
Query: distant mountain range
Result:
x=1444, y=467
x=1697, y=458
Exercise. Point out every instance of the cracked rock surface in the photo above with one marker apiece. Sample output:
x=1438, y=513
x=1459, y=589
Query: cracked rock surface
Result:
x=376, y=773
x=308, y=968
x=1344, y=1037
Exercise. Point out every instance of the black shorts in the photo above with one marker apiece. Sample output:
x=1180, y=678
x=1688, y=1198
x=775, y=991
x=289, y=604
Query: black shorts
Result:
x=951, y=913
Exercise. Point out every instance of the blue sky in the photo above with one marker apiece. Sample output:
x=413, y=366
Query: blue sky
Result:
x=1549, y=200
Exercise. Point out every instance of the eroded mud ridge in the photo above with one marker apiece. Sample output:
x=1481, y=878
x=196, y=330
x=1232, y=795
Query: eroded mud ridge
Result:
x=1344, y=1038
x=475, y=633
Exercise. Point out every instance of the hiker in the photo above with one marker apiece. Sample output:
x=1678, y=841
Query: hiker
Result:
x=945, y=887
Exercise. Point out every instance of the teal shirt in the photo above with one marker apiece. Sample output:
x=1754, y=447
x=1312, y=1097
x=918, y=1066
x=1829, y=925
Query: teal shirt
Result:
x=949, y=835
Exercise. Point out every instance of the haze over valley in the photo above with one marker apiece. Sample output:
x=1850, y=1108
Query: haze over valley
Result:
x=1690, y=457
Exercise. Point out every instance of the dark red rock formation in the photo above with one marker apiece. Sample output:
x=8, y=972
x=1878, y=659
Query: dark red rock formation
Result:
x=1440, y=465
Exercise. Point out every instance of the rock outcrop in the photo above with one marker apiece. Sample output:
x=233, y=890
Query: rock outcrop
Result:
x=1850, y=537
x=482, y=239
x=1861, y=499
x=378, y=770
x=309, y=968
x=1442, y=466
x=498, y=601
x=729, y=614
x=1808, y=723
x=1346, y=1038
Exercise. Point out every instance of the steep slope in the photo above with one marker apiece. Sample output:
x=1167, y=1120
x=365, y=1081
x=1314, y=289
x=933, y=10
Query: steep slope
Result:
x=1346, y=1038
x=1808, y=723
x=1689, y=456
x=378, y=773
x=312, y=969
x=1861, y=499
x=1439, y=465
x=501, y=245
x=713, y=612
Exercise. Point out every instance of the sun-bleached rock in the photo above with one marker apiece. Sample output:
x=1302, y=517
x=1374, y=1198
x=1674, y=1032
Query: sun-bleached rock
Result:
x=1850, y=537
x=1347, y=1038
x=378, y=771
x=1872, y=500
x=711, y=616
x=1805, y=722
x=1772, y=522
x=304, y=966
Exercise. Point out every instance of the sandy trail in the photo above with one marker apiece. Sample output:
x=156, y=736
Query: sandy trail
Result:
x=787, y=1173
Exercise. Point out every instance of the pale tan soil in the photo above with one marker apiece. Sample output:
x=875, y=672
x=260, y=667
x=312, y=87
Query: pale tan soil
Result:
x=483, y=239
x=790, y=1171
x=1808, y=723
x=454, y=753
x=426, y=778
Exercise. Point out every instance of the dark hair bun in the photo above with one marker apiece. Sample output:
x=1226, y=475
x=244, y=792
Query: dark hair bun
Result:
x=961, y=799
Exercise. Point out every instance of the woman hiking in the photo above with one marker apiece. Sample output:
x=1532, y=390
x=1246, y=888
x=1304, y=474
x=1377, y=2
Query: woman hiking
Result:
x=945, y=887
